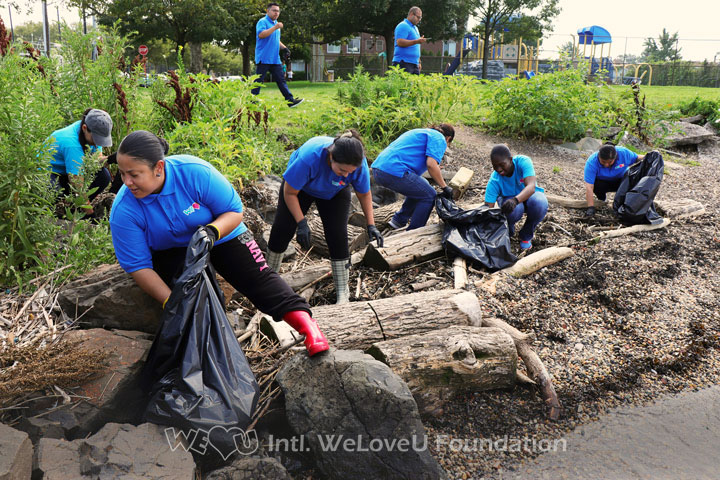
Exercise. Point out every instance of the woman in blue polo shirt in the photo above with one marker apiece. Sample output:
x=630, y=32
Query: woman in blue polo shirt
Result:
x=514, y=187
x=604, y=170
x=399, y=167
x=320, y=172
x=163, y=202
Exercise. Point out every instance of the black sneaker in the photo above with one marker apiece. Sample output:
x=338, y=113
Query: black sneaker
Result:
x=295, y=102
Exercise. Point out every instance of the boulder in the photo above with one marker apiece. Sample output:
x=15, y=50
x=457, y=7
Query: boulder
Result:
x=112, y=396
x=107, y=297
x=251, y=468
x=16, y=454
x=116, y=451
x=589, y=144
x=357, y=416
x=710, y=149
x=630, y=140
x=696, y=119
x=713, y=127
x=687, y=134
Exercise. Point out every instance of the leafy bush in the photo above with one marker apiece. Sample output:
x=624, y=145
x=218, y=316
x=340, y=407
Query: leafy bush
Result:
x=697, y=106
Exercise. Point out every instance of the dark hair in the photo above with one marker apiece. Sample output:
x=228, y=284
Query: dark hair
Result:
x=607, y=152
x=500, y=152
x=446, y=129
x=348, y=149
x=272, y=4
x=144, y=146
x=84, y=114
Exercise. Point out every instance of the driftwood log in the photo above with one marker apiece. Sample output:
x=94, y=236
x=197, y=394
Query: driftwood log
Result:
x=302, y=278
x=683, y=208
x=382, y=216
x=442, y=363
x=357, y=237
x=571, y=202
x=619, y=232
x=460, y=272
x=526, y=265
x=357, y=325
x=407, y=247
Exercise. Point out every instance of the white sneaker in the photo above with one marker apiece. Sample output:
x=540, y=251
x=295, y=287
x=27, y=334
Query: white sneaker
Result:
x=394, y=225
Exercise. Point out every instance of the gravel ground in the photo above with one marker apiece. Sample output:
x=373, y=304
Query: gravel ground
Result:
x=621, y=322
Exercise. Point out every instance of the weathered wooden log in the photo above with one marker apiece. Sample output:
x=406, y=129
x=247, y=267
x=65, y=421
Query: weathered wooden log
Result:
x=536, y=369
x=460, y=273
x=571, y=202
x=302, y=278
x=457, y=359
x=461, y=181
x=683, y=208
x=407, y=247
x=535, y=261
x=382, y=216
x=357, y=325
x=357, y=237
x=628, y=230
x=416, y=287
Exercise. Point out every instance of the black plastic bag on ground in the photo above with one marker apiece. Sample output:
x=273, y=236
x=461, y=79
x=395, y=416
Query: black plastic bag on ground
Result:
x=196, y=373
x=480, y=235
x=633, y=201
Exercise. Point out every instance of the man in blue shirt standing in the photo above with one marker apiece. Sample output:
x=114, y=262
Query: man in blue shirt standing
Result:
x=267, y=52
x=604, y=170
x=407, y=42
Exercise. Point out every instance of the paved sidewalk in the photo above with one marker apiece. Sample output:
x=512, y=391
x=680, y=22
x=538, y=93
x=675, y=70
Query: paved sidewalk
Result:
x=677, y=438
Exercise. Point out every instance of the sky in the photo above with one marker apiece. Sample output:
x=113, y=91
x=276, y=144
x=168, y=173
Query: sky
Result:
x=628, y=21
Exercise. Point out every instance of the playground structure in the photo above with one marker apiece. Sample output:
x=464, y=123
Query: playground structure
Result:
x=516, y=53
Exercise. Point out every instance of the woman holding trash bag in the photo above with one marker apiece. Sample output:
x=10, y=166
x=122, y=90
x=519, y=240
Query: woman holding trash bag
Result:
x=399, y=167
x=604, y=170
x=321, y=171
x=514, y=187
x=164, y=201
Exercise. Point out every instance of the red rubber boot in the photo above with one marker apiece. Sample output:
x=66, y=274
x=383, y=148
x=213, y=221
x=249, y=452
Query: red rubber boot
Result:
x=315, y=341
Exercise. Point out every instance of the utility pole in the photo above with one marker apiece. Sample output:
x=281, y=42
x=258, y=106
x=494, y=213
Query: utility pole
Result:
x=12, y=30
x=57, y=9
x=46, y=29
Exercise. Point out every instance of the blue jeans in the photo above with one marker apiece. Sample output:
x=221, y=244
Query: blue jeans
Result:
x=419, y=197
x=535, y=207
x=276, y=71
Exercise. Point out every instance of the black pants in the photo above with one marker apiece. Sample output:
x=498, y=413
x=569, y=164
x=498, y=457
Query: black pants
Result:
x=601, y=187
x=101, y=181
x=334, y=214
x=408, y=67
x=241, y=262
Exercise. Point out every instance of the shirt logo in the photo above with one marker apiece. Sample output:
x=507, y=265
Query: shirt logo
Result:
x=338, y=183
x=192, y=208
x=620, y=166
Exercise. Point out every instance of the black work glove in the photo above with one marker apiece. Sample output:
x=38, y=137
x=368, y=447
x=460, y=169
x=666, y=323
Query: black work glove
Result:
x=447, y=192
x=509, y=205
x=212, y=233
x=590, y=212
x=303, y=234
x=374, y=234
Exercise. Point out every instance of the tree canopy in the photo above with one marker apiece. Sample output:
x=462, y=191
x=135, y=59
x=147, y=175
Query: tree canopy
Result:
x=664, y=50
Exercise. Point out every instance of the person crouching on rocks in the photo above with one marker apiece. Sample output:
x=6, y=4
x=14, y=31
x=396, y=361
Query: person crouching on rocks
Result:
x=514, y=187
x=164, y=201
x=321, y=171
x=604, y=170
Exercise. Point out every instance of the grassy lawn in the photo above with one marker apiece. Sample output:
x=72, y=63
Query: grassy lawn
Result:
x=671, y=97
x=317, y=96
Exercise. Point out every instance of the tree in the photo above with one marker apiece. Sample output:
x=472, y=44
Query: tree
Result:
x=516, y=16
x=665, y=49
x=33, y=32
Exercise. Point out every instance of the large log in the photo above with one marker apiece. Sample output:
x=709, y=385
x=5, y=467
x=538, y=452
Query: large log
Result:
x=357, y=237
x=407, y=247
x=683, y=208
x=382, y=216
x=535, y=261
x=301, y=278
x=571, y=202
x=442, y=363
x=357, y=325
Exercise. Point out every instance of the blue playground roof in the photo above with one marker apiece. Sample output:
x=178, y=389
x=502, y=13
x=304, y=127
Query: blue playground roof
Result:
x=594, y=34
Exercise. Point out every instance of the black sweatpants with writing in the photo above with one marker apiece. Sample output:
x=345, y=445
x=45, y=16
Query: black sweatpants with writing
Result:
x=241, y=263
x=334, y=214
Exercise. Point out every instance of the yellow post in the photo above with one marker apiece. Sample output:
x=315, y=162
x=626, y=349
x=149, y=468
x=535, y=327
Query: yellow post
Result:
x=537, y=57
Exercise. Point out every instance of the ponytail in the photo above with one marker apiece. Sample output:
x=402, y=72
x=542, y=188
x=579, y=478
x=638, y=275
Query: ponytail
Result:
x=348, y=148
x=145, y=147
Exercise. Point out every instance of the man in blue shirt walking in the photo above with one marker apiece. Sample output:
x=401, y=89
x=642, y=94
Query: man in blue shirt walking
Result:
x=407, y=42
x=267, y=52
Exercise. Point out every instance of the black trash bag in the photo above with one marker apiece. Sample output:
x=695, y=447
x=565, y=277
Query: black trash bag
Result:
x=196, y=373
x=633, y=201
x=480, y=235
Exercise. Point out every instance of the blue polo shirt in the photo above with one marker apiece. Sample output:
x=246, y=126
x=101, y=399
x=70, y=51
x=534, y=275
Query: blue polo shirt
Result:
x=409, y=152
x=308, y=170
x=499, y=185
x=194, y=194
x=267, y=50
x=594, y=169
x=408, y=31
x=67, y=152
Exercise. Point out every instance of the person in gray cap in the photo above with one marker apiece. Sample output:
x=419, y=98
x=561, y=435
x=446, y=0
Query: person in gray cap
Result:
x=69, y=146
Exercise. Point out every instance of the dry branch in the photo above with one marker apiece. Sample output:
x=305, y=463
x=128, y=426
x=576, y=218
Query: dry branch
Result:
x=628, y=230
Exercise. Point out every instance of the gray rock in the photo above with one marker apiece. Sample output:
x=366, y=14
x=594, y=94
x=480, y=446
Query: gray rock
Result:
x=116, y=451
x=251, y=468
x=630, y=140
x=569, y=146
x=16, y=454
x=710, y=149
x=687, y=134
x=610, y=133
x=589, y=144
x=358, y=417
x=713, y=127
x=696, y=119
x=113, y=395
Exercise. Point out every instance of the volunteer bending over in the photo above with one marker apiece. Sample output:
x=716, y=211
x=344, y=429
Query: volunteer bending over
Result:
x=321, y=172
x=164, y=201
x=604, y=170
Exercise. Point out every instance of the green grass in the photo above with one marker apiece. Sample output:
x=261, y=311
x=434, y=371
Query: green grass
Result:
x=671, y=97
x=317, y=96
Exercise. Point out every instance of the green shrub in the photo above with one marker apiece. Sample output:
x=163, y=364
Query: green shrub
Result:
x=698, y=106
